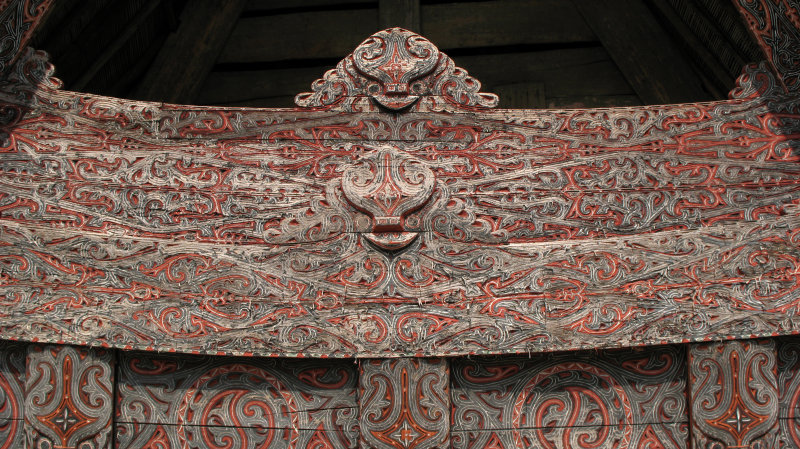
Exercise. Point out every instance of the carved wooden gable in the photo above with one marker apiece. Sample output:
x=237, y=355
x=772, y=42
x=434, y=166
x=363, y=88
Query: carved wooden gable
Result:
x=394, y=213
x=396, y=218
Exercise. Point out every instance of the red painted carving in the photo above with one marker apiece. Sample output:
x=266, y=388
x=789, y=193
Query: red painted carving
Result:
x=334, y=233
x=179, y=402
x=395, y=69
x=68, y=399
x=12, y=388
x=19, y=19
x=776, y=26
x=609, y=400
x=746, y=413
x=404, y=403
x=388, y=186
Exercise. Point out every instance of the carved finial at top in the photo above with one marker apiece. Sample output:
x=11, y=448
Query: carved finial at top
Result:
x=396, y=69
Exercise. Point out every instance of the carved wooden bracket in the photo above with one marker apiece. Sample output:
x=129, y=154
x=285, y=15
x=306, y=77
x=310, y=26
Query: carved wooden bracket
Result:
x=395, y=69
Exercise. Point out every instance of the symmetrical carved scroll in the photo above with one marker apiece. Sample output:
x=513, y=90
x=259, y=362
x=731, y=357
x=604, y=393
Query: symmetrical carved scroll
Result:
x=609, y=400
x=734, y=394
x=255, y=232
x=404, y=403
x=396, y=69
x=18, y=18
x=388, y=186
x=12, y=388
x=193, y=402
x=776, y=26
x=789, y=391
x=68, y=399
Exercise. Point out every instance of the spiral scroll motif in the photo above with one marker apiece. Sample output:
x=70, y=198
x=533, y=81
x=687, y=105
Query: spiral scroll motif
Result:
x=405, y=403
x=190, y=402
x=68, y=399
x=396, y=69
x=734, y=395
x=607, y=400
x=12, y=387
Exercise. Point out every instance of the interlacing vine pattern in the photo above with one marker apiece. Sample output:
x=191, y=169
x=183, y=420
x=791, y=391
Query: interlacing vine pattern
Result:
x=12, y=388
x=201, y=402
x=613, y=399
x=68, y=397
x=396, y=219
x=331, y=233
x=734, y=395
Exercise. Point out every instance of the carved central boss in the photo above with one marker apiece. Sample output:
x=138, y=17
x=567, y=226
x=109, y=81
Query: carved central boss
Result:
x=388, y=186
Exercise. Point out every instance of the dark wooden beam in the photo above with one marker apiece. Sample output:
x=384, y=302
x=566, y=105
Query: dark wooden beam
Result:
x=648, y=58
x=109, y=51
x=188, y=55
x=720, y=81
x=399, y=13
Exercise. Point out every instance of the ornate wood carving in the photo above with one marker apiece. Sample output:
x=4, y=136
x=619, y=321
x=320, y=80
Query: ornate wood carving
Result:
x=19, y=18
x=181, y=402
x=734, y=394
x=12, y=395
x=404, y=403
x=776, y=26
x=396, y=69
x=68, y=397
x=609, y=400
x=322, y=232
x=789, y=392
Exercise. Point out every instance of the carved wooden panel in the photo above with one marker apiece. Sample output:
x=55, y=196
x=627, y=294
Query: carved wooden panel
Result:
x=18, y=18
x=68, y=397
x=326, y=232
x=776, y=26
x=12, y=395
x=734, y=394
x=214, y=402
x=404, y=403
x=789, y=391
x=617, y=399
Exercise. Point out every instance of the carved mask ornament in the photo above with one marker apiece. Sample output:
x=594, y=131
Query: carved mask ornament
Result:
x=395, y=60
x=388, y=186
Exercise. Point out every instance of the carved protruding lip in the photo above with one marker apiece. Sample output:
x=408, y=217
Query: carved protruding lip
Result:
x=388, y=185
x=391, y=241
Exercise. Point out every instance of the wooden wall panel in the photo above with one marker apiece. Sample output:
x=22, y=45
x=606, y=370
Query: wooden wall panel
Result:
x=12, y=395
x=69, y=397
x=789, y=391
x=258, y=232
x=197, y=402
x=622, y=399
x=734, y=394
x=404, y=403
x=776, y=26
x=19, y=19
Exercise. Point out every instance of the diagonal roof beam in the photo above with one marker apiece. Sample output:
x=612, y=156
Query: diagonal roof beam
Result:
x=185, y=60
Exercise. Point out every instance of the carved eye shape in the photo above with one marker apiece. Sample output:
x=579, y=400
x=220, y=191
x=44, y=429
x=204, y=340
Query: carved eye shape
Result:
x=418, y=88
x=373, y=89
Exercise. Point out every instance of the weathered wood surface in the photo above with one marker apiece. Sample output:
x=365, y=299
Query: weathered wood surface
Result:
x=746, y=413
x=445, y=228
x=404, y=403
x=69, y=397
x=615, y=399
x=776, y=26
x=19, y=19
x=12, y=395
x=739, y=392
x=174, y=402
